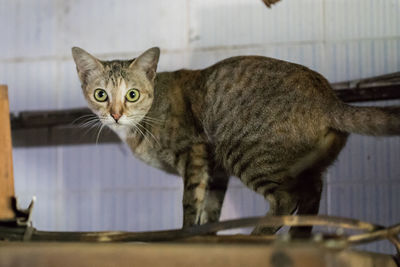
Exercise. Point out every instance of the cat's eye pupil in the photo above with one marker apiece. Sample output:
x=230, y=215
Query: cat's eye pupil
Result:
x=132, y=94
x=101, y=94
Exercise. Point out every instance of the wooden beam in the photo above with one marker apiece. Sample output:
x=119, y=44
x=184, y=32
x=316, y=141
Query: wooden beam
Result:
x=6, y=167
x=61, y=136
x=49, y=118
x=364, y=94
x=376, y=81
x=177, y=255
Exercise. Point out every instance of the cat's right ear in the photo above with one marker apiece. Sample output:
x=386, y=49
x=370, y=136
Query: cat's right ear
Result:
x=85, y=63
x=147, y=62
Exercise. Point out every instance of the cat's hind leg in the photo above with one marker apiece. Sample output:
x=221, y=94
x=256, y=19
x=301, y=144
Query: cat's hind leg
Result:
x=264, y=168
x=281, y=202
x=309, y=182
x=302, y=189
x=309, y=190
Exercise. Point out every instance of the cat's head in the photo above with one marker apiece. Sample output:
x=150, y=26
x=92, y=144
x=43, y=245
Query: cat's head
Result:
x=119, y=92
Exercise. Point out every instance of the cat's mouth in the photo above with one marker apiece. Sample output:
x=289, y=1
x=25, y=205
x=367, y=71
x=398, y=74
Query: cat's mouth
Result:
x=110, y=122
x=117, y=121
x=121, y=124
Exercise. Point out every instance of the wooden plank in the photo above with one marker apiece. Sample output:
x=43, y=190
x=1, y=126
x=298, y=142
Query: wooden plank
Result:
x=6, y=167
x=49, y=118
x=377, y=81
x=282, y=254
x=62, y=136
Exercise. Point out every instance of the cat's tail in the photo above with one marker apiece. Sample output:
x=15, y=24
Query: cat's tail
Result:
x=378, y=121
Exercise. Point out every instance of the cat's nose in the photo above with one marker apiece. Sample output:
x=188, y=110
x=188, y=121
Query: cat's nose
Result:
x=116, y=116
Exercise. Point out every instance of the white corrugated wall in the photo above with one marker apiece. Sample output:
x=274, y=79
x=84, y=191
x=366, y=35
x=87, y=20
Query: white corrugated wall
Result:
x=102, y=187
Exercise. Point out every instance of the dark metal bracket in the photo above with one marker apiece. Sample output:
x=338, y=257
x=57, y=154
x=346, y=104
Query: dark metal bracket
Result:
x=22, y=220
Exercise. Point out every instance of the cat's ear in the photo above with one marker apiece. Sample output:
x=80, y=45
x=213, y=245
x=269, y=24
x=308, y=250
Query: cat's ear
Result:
x=148, y=62
x=85, y=63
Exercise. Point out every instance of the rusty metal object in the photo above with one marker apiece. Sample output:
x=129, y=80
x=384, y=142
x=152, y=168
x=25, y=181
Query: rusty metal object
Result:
x=391, y=233
x=173, y=235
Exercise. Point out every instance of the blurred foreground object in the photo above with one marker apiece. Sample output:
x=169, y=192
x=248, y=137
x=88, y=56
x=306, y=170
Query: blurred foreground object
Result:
x=6, y=168
x=268, y=3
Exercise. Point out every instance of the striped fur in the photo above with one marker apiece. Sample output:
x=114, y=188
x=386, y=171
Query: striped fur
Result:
x=275, y=125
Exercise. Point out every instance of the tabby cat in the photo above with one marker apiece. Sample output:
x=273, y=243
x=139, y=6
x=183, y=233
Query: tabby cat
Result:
x=275, y=125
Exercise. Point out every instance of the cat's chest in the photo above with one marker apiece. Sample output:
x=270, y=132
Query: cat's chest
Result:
x=147, y=153
x=149, y=150
x=141, y=148
x=152, y=154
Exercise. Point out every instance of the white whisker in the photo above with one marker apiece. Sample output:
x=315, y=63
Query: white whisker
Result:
x=150, y=133
x=87, y=116
x=144, y=136
x=98, y=135
x=151, y=124
x=146, y=118
x=151, y=121
x=89, y=123
x=96, y=124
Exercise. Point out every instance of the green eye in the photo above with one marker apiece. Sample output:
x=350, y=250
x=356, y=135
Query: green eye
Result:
x=132, y=95
x=100, y=95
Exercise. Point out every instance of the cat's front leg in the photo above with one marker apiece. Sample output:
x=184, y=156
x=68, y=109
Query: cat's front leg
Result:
x=204, y=188
x=195, y=183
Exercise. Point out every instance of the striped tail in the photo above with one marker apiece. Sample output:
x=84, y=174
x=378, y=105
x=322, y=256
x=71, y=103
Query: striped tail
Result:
x=378, y=121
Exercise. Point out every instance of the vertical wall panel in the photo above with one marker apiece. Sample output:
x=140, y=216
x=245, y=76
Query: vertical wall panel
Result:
x=119, y=26
x=358, y=59
x=249, y=22
x=35, y=172
x=32, y=85
x=361, y=19
x=28, y=28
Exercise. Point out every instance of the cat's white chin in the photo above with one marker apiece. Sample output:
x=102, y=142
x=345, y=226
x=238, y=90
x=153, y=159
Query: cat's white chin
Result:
x=121, y=130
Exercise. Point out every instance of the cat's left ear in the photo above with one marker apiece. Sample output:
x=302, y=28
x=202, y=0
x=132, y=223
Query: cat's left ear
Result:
x=148, y=62
x=85, y=63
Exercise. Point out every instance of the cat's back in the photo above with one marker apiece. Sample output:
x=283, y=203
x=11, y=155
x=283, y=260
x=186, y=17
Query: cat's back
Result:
x=253, y=61
x=254, y=90
x=265, y=73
